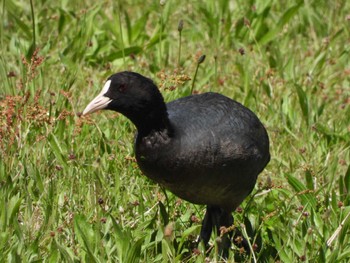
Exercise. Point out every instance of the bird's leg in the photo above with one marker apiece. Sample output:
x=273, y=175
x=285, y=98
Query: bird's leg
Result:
x=222, y=218
x=242, y=241
x=207, y=227
x=216, y=217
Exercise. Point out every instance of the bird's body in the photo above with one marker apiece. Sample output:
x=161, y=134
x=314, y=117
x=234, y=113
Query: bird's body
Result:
x=211, y=153
x=207, y=149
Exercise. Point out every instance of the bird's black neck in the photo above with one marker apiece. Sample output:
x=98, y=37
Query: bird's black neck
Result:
x=154, y=121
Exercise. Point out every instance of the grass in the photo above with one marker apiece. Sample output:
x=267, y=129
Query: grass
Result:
x=70, y=189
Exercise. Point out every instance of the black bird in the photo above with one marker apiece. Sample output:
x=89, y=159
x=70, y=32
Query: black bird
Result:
x=207, y=149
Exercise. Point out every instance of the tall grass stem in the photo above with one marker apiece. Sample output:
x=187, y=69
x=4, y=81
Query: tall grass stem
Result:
x=179, y=28
x=33, y=26
x=199, y=61
x=121, y=32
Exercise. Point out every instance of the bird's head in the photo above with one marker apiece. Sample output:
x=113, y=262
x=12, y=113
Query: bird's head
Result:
x=132, y=95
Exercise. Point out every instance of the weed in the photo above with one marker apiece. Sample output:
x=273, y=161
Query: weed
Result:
x=70, y=189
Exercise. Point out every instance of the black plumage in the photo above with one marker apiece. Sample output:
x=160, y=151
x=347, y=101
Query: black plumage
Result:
x=207, y=149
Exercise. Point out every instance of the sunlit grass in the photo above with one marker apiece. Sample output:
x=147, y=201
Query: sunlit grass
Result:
x=70, y=189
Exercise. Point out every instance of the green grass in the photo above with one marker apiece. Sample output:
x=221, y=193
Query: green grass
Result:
x=70, y=189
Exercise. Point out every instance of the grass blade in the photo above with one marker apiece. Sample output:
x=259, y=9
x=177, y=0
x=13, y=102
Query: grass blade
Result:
x=286, y=17
x=85, y=236
x=303, y=102
x=303, y=193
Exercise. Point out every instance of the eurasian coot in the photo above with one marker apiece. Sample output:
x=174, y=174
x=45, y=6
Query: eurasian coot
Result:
x=207, y=149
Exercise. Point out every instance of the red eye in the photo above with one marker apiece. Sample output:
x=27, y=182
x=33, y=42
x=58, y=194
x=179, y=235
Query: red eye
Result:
x=122, y=88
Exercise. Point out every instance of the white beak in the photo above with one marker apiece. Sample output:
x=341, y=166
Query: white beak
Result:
x=100, y=102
